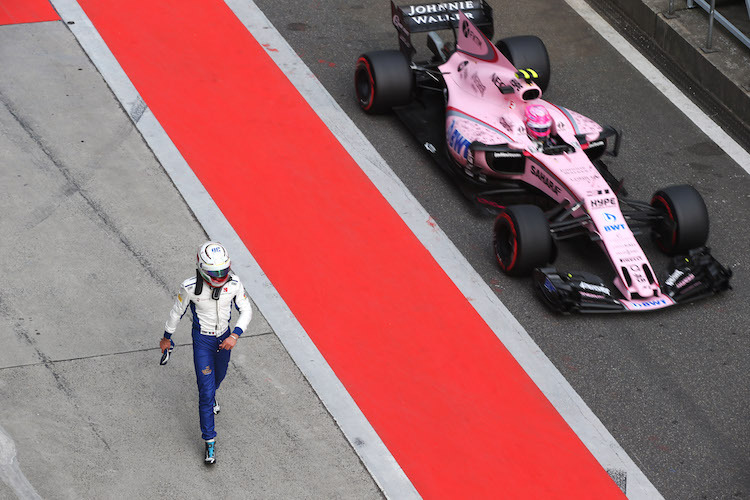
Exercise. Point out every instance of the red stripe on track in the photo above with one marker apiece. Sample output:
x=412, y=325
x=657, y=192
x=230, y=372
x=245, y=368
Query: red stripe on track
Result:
x=26, y=11
x=455, y=409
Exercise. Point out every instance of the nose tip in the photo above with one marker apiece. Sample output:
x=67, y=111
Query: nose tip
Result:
x=645, y=290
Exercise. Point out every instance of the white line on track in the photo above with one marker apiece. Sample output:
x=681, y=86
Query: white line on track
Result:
x=670, y=91
x=358, y=431
x=10, y=472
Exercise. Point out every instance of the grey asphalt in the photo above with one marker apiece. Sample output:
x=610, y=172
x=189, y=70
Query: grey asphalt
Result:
x=96, y=240
x=672, y=386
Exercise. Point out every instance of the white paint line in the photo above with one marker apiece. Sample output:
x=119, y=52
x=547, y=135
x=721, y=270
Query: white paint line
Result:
x=670, y=91
x=380, y=463
x=510, y=332
x=10, y=471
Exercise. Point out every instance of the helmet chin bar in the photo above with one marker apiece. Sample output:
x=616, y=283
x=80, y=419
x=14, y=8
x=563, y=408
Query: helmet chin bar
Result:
x=215, y=289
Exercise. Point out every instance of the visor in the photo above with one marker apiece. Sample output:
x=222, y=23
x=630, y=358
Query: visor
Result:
x=539, y=128
x=539, y=131
x=217, y=275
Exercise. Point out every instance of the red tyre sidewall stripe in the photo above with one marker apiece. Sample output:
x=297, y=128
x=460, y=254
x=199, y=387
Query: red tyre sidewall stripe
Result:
x=363, y=60
x=663, y=201
x=511, y=224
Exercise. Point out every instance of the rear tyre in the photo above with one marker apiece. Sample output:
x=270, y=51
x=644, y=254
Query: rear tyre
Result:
x=521, y=239
x=528, y=51
x=684, y=222
x=383, y=80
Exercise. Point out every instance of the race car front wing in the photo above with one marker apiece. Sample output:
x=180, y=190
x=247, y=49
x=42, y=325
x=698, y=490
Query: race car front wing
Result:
x=690, y=277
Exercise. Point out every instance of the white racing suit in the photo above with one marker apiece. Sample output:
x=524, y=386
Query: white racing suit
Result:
x=211, y=319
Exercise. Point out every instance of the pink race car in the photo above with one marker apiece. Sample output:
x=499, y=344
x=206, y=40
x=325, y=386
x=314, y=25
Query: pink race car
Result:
x=478, y=110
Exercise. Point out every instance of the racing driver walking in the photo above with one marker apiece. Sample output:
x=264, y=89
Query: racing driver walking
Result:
x=211, y=294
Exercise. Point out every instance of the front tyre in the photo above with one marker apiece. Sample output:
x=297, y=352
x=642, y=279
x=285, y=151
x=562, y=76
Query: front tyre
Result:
x=383, y=80
x=684, y=219
x=521, y=239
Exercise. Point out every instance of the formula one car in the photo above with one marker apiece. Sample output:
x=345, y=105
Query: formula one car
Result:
x=477, y=109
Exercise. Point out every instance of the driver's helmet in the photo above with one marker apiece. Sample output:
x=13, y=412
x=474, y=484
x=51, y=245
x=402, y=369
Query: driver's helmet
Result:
x=538, y=121
x=213, y=263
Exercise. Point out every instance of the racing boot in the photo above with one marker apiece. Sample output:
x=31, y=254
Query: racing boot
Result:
x=217, y=408
x=210, y=452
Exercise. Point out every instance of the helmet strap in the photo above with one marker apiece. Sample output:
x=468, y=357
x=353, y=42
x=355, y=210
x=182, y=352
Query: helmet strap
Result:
x=198, y=282
x=215, y=292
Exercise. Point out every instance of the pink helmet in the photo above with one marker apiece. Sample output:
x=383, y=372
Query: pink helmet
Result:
x=538, y=121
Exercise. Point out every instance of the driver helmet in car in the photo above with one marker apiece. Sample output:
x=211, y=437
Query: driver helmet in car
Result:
x=538, y=122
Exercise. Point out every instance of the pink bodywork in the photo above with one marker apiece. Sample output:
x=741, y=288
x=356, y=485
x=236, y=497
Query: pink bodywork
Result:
x=478, y=111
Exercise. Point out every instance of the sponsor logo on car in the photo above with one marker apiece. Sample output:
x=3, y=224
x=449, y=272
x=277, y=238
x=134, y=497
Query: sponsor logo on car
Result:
x=399, y=26
x=648, y=304
x=458, y=142
x=505, y=124
x=469, y=33
x=614, y=227
x=477, y=84
x=630, y=259
x=440, y=12
x=545, y=180
x=603, y=202
x=497, y=81
x=440, y=7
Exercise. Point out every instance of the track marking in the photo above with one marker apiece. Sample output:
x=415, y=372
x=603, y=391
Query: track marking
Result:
x=10, y=472
x=658, y=80
x=26, y=11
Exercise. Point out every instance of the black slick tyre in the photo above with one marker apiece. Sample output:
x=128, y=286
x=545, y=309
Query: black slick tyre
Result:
x=528, y=51
x=684, y=219
x=383, y=80
x=521, y=239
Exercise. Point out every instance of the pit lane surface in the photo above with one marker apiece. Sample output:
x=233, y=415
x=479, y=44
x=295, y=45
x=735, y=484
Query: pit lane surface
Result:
x=672, y=385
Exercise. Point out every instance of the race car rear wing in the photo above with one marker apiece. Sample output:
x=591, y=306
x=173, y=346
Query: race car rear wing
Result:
x=424, y=17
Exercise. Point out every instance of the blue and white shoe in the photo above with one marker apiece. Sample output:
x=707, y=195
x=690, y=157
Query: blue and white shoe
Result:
x=217, y=408
x=210, y=452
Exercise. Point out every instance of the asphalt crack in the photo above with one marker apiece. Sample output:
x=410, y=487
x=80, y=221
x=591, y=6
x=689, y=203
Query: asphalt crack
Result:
x=60, y=381
x=75, y=186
